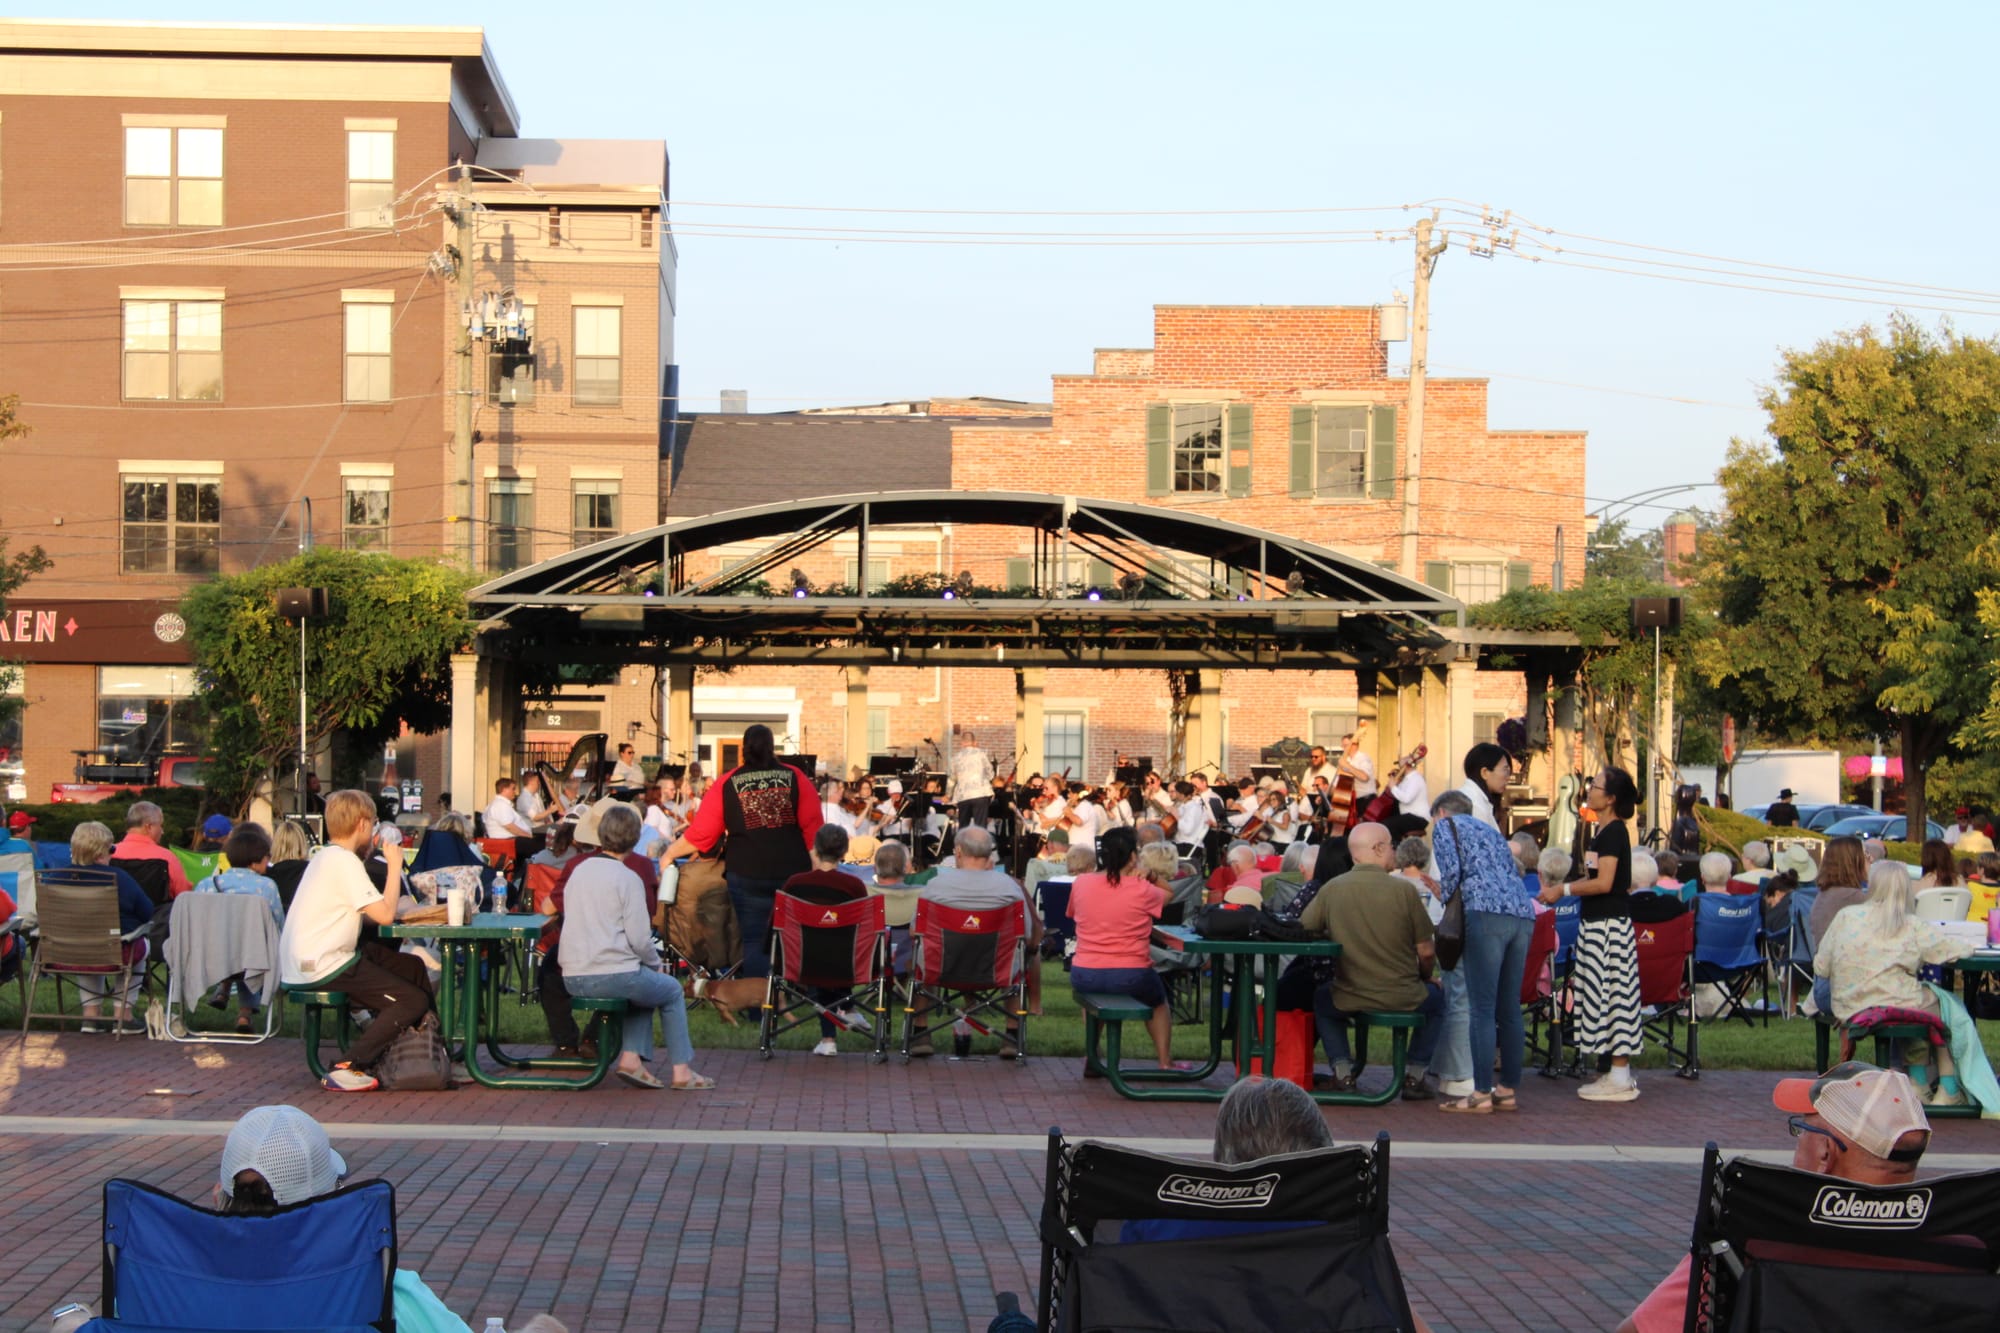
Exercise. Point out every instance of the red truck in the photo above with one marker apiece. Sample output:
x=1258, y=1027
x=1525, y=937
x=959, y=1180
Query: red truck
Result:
x=102, y=778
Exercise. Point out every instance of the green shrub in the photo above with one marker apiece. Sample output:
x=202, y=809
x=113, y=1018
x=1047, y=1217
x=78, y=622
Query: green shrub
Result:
x=1727, y=831
x=180, y=805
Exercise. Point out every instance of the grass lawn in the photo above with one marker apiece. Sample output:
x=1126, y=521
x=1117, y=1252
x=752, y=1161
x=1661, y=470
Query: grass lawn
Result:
x=1782, y=1045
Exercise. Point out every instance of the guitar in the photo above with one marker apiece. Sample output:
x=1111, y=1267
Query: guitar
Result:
x=1385, y=804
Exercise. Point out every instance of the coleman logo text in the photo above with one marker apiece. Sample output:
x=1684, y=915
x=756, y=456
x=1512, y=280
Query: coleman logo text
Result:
x=1195, y=1192
x=1844, y=1206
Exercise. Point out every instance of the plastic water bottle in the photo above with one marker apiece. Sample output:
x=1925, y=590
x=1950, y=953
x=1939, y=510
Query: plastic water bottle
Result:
x=500, y=905
x=494, y=1324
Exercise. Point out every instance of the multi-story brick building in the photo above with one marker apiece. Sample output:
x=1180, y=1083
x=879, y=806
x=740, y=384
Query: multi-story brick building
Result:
x=1281, y=418
x=227, y=288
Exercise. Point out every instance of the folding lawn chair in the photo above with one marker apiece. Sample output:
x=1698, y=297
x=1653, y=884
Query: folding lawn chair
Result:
x=821, y=955
x=1666, y=989
x=240, y=937
x=1729, y=953
x=328, y=1263
x=1538, y=987
x=1285, y=1243
x=79, y=937
x=17, y=881
x=1779, y=1248
x=1566, y=918
x=968, y=965
x=1799, y=946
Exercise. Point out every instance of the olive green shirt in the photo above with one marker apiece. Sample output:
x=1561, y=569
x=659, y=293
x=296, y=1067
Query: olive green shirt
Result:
x=1378, y=920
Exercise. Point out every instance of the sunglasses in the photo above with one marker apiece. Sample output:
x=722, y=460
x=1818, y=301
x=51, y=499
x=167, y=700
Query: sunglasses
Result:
x=1800, y=1125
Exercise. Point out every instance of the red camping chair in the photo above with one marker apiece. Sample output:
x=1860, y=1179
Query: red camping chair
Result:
x=1666, y=985
x=499, y=854
x=820, y=948
x=968, y=964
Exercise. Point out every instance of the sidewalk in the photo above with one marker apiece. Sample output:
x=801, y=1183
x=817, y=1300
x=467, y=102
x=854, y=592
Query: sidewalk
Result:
x=810, y=1193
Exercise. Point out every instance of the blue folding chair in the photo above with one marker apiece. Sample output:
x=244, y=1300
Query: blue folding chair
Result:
x=1799, y=954
x=1729, y=951
x=327, y=1263
x=1568, y=913
x=1569, y=924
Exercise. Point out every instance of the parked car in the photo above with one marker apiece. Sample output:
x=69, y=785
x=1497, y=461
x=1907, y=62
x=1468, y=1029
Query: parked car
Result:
x=1889, y=828
x=100, y=778
x=1820, y=818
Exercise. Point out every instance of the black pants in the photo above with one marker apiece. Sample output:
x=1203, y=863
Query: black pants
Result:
x=395, y=986
x=972, y=814
x=555, y=1003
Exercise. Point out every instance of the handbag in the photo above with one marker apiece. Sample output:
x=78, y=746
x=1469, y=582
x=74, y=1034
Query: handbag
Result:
x=416, y=1060
x=1451, y=927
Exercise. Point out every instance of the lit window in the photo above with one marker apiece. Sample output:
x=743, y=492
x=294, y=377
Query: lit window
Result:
x=173, y=177
x=597, y=360
x=367, y=351
x=173, y=350
x=371, y=177
x=170, y=525
x=365, y=513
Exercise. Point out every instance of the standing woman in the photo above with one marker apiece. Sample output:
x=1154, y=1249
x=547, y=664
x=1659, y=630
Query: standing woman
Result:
x=770, y=812
x=1607, y=952
x=1499, y=917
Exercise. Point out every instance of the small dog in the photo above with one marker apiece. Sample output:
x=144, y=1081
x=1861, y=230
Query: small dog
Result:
x=729, y=994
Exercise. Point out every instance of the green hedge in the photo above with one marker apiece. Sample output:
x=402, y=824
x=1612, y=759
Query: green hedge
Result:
x=1727, y=831
x=180, y=805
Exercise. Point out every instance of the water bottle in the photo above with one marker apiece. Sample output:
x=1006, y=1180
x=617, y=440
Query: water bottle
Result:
x=500, y=896
x=495, y=1324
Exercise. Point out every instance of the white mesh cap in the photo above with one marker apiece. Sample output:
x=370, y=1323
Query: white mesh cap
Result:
x=1871, y=1108
x=287, y=1148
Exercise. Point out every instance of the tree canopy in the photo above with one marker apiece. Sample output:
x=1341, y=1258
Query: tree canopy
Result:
x=1852, y=568
x=381, y=659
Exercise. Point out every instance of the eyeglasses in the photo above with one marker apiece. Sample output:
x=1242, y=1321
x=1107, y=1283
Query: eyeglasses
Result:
x=1799, y=1125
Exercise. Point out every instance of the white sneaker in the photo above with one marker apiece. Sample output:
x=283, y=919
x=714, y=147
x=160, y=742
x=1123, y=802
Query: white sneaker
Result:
x=1456, y=1087
x=826, y=1047
x=855, y=1020
x=343, y=1079
x=1610, y=1089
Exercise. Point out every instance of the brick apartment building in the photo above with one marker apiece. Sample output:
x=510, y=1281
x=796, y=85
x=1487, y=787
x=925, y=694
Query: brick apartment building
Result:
x=1281, y=418
x=222, y=291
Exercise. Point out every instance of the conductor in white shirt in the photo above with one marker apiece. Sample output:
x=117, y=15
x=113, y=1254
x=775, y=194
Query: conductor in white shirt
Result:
x=971, y=782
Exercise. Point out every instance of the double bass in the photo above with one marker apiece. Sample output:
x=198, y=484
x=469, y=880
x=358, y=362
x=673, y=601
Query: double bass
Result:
x=1385, y=802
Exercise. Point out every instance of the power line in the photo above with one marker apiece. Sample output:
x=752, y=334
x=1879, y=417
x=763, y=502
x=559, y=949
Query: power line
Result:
x=837, y=238
x=1045, y=212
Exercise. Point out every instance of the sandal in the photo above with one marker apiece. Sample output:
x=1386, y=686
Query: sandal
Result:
x=1505, y=1101
x=641, y=1077
x=1479, y=1103
x=695, y=1083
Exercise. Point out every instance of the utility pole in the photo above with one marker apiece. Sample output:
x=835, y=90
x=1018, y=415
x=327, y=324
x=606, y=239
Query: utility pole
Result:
x=1420, y=338
x=461, y=430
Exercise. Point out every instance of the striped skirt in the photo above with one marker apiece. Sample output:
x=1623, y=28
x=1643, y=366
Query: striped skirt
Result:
x=1607, y=989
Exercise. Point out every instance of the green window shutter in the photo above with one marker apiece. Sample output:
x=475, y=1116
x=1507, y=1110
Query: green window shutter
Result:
x=1437, y=573
x=1302, y=453
x=1520, y=574
x=1235, y=446
x=1020, y=572
x=1382, y=454
x=1159, y=450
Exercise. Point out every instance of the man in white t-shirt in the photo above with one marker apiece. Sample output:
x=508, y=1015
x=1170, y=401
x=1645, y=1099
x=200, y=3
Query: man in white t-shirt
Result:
x=1356, y=763
x=503, y=818
x=1413, y=794
x=321, y=944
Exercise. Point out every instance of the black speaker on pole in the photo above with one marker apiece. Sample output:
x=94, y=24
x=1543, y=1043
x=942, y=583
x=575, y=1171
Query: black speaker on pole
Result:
x=302, y=603
x=1656, y=613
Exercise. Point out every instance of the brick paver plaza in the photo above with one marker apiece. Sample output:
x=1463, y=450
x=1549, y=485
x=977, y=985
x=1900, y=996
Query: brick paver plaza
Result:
x=809, y=1193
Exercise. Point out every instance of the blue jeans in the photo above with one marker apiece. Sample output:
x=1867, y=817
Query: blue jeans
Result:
x=644, y=991
x=753, y=900
x=1452, y=1061
x=1332, y=1025
x=1496, y=956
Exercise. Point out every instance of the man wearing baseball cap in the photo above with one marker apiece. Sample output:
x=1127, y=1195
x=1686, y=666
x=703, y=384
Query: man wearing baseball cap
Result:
x=13, y=837
x=1854, y=1122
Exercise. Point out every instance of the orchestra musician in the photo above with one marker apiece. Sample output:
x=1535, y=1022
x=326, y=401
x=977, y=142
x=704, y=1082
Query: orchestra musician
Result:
x=1355, y=763
x=1193, y=818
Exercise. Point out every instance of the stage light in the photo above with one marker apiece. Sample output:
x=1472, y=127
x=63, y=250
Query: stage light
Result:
x=1094, y=595
x=801, y=585
x=950, y=594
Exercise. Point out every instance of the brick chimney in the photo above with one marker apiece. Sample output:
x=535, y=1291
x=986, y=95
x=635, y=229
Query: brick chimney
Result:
x=1677, y=547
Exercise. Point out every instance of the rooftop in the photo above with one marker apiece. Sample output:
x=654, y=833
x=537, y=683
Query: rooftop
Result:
x=637, y=165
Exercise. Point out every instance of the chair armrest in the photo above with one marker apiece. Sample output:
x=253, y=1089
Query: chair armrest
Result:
x=144, y=932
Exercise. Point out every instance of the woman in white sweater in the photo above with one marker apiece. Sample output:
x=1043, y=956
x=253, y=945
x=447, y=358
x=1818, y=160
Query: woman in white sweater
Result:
x=607, y=952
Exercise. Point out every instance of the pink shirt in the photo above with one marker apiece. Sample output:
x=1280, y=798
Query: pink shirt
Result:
x=1114, y=922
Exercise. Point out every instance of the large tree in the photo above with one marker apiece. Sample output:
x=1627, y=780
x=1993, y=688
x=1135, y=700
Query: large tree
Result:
x=381, y=659
x=1848, y=572
x=16, y=568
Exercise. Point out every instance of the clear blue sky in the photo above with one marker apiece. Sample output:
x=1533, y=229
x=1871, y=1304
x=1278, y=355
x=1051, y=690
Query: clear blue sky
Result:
x=1842, y=137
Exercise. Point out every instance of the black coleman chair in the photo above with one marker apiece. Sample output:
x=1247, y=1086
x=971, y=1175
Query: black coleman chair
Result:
x=1325, y=1264
x=1778, y=1249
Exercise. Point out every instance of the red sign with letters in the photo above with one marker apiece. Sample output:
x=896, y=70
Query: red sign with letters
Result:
x=134, y=632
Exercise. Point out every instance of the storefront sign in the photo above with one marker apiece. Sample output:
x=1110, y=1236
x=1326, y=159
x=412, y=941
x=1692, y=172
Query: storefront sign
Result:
x=134, y=631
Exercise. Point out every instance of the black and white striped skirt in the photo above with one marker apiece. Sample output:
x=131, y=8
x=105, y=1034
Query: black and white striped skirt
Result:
x=1607, y=989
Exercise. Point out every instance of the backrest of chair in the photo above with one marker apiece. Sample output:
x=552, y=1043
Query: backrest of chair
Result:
x=1535, y=979
x=216, y=918
x=1568, y=916
x=1862, y=1242
x=1053, y=895
x=1664, y=949
x=51, y=855
x=152, y=874
x=197, y=866
x=832, y=944
x=497, y=851
x=541, y=883
x=968, y=948
x=1728, y=930
x=78, y=915
x=1266, y=1240
x=17, y=878
x=327, y=1262
x=1802, y=900
x=1949, y=904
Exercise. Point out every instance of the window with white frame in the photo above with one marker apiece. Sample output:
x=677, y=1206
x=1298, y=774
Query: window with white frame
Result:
x=1198, y=456
x=510, y=523
x=173, y=176
x=172, y=350
x=878, y=573
x=170, y=525
x=371, y=177
x=1477, y=581
x=1062, y=743
x=593, y=510
x=878, y=730
x=1486, y=727
x=1325, y=727
x=597, y=360
x=365, y=513
x=1340, y=453
x=367, y=358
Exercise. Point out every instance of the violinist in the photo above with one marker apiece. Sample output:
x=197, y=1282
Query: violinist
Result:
x=1117, y=806
x=833, y=806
